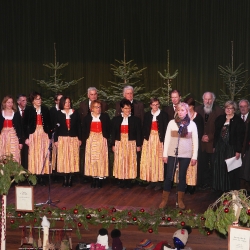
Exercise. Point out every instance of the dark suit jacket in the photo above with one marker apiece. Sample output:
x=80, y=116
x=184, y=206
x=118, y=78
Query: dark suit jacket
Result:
x=247, y=135
x=84, y=108
x=53, y=114
x=30, y=121
x=209, y=126
x=162, y=122
x=198, y=120
x=16, y=124
x=134, y=130
x=236, y=131
x=138, y=109
x=105, y=120
x=62, y=130
x=170, y=111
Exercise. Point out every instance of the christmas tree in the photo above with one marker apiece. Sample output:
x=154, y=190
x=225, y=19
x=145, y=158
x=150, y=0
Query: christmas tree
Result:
x=234, y=79
x=55, y=84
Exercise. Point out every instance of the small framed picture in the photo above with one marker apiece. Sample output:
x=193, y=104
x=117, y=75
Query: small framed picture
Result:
x=238, y=238
x=25, y=198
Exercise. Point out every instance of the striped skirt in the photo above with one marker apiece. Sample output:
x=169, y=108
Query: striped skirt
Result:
x=9, y=143
x=67, y=154
x=125, y=159
x=38, y=149
x=152, y=166
x=96, y=155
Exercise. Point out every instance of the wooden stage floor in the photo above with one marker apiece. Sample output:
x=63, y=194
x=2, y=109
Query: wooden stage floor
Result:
x=113, y=196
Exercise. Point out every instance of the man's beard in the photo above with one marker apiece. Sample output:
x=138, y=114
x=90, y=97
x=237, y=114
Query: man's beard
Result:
x=208, y=108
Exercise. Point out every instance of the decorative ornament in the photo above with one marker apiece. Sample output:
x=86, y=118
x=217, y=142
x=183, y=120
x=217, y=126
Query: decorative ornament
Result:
x=180, y=212
x=12, y=221
x=150, y=230
x=35, y=220
x=19, y=214
x=129, y=213
x=113, y=210
x=49, y=212
x=103, y=216
x=225, y=202
x=79, y=224
x=142, y=210
x=183, y=223
x=113, y=219
x=169, y=219
x=75, y=211
x=226, y=210
x=134, y=219
x=99, y=209
x=163, y=218
x=202, y=218
x=248, y=211
x=208, y=233
x=61, y=219
x=88, y=216
x=63, y=208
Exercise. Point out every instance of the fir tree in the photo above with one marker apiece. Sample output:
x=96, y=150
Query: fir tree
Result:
x=234, y=79
x=165, y=98
x=56, y=84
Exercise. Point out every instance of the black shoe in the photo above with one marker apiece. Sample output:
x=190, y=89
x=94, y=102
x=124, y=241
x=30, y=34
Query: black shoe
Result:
x=151, y=185
x=190, y=189
x=70, y=181
x=122, y=184
x=158, y=186
x=93, y=183
x=65, y=181
x=99, y=183
x=129, y=184
x=41, y=181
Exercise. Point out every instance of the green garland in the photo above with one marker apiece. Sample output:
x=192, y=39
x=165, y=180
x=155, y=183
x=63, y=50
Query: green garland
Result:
x=78, y=217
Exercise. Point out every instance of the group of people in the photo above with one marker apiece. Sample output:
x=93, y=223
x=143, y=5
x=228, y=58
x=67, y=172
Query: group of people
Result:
x=153, y=146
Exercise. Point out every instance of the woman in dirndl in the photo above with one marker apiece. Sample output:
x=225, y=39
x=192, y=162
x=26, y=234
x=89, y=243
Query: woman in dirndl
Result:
x=96, y=131
x=10, y=127
x=67, y=139
x=191, y=177
x=37, y=132
x=154, y=128
x=126, y=141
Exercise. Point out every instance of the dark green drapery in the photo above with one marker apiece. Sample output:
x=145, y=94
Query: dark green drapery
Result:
x=89, y=35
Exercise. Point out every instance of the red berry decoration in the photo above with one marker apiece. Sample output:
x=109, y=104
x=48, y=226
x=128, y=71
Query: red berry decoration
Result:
x=103, y=216
x=208, y=233
x=134, y=219
x=49, y=212
x=129, y=213
x=142, y=210
x=202, y=218
x=248, y=212
x=75, y=211
x=163, y=218
x=183, y=223
x=113, y=209
x=150, y=230
x=169, y=219
x=35, y=220
x=88, y=216
x=12, y=221
x=113, y=218
x=225, y=202
x=99, y=209
x=61, y=219
x=226, y=210
x=19, y=214
x=180, y=212
x=79, y=224
x=64, y=208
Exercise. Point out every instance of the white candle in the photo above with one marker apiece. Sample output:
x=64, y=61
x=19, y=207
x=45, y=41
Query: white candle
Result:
x=46, y=226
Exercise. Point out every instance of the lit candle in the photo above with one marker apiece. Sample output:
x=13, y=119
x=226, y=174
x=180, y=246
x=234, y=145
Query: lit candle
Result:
x=46, y=226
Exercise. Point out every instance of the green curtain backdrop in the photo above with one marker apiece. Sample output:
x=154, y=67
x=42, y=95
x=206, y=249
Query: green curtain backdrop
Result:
x=89, y=35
